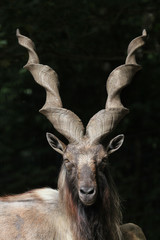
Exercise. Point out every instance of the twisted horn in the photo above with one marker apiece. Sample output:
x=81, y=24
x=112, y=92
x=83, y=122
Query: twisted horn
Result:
x=64, y=121
x=103, y=122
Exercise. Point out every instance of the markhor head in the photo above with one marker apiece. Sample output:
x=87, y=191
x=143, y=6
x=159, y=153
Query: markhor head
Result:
x=85, y=158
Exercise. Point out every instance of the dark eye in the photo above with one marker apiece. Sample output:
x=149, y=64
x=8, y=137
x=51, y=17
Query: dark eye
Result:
x=103, y=163
x=68, y=164
x=66, y=160
x=104, y=160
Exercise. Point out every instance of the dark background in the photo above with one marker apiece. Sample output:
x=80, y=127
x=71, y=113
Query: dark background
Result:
x=83, y=41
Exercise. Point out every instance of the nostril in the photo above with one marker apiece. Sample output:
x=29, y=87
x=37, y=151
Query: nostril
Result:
x=91, y=191
x=86, y=190
x=82, y=190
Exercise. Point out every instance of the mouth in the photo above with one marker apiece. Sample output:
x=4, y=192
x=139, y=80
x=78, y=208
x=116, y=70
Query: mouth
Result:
x=88, y=202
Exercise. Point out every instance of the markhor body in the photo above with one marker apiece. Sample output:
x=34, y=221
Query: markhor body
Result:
x=40, y=215
x=86, y=205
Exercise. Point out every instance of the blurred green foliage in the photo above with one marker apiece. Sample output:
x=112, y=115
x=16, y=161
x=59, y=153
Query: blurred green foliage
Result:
x=83, y=41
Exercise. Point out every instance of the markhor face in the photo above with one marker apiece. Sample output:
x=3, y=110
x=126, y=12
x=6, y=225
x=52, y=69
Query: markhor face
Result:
x=83, y=164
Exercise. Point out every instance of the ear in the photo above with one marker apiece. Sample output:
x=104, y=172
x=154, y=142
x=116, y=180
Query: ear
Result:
x=115, y=144
x=55, y=143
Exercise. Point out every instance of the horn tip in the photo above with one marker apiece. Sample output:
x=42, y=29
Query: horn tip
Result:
x=144, y=33
x=17, y=32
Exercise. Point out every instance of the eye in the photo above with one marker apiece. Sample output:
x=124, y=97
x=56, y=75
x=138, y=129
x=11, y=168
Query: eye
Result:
x=104, y=160
x=66, y=160
x=69, y=165
x=103, y=163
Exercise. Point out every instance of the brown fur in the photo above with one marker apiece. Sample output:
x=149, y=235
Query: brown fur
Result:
x=132, y=232
x=92, y=222
x=46, y=214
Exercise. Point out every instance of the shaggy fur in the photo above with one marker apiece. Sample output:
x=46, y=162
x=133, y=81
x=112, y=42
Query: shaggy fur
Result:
x=99, y=221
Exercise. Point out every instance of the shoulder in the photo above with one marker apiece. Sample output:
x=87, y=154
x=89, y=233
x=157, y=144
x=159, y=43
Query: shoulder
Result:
x=131, y=231
x=45, y=194
x=41, y=195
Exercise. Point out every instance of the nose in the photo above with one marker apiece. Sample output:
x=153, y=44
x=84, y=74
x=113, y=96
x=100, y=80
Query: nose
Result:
x=87, y=190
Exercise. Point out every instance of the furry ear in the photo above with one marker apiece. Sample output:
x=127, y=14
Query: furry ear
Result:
x=55, y=143
x=115, y=144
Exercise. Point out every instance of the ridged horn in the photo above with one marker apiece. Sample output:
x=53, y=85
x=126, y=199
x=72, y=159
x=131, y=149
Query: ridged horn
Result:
x=103, y=122
x=64, y=121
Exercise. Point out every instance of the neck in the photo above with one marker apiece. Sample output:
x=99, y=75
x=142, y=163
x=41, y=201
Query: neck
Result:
x=97, y=222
